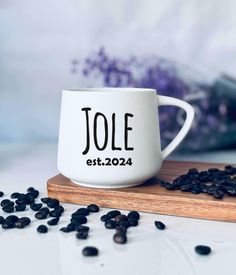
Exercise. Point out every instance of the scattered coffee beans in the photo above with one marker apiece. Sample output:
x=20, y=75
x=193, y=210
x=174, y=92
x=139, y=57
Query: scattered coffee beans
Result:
x=42, y=229
x=113, y=213
x=15, y=195
x=8, y=208
x=120, y=238
x=159, y=225
x=22, y=222
x=110, y=224
x=134, y=214
x=20, y=207
x=104, y=218
x=6, y=202
x=202, y=249
x=90, y=251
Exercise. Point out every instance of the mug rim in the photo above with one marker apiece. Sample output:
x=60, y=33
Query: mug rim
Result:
x=110, y=90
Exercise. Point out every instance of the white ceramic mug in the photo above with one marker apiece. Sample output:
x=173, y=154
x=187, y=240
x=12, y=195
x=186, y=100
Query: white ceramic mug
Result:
x=109, y=137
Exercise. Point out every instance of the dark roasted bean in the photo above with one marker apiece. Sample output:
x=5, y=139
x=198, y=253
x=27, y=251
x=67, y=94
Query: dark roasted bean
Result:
x=41, y=215
x=125, y=224
x=231, y=191
x=42, y=228
x=8, y=225
x=1, y=194
x=113, y=213
x=196, y=190
x=134, y=214
x=8, y=208
x=93, y=208
x=218, y=194
x=59, y=208
x=213, y=170
x=30, y=189
x=44, y=210
x=21, y=200
x=15, y=195
x=110, y=224
x=65, y=229
x=6, y=202
x=53, y=221
x=52, y=203
x=187, y=187
x=20, y=207
x=202, y=249
x=55, y=213
x=82, y=235
x=22, y=222
x=71, y=226
x=12, y=218
x=121, y=218
x=82, y=211
x=34, y=194
x=90, y=251
x=159, y=225
x=104, y=218
x=133, y=222
x=29, y=198
x=193, y=171
x=120, y=238
x=121, y=229
x=2, y=220
x=79, y=219
x=45, y=200
x=36, y=206
x=81, y=228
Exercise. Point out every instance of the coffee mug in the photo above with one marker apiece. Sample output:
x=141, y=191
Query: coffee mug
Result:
x=110, y=137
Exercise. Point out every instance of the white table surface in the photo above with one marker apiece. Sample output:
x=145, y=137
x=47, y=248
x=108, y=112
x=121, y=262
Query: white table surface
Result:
x=148, y=251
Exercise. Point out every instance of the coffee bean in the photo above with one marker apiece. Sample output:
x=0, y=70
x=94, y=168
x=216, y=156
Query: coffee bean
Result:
x=120, y=238
x=59, y=208
x=1, y=194
x=132, y=222
x=90, y=251
x=20, y=207
x=52, y=203
x=45, y=200
x=79, y=219
x=65, y=229
x=22, y=222
x=30, y=189
x=12, y=218
x=71, y=226
x=187, y=187
x=29, y=198
x=82, y=211
x=53, y=221
x=159, y=225
x=8, y=208
x=34, y=194
x=213, y=170
x=121, y=229
x=193, y=171
x=202, y=249
x=41, y=215
x=82, y=235
x=44, y=210
x=104, y=218
x=21, y=200
x=93, y=208
x=110, y=224
x=15, y=195
x=218, y=194
x=81, y=228
x=36, y=206
x=2, y=220
x=125, y=224
x=134, y=214
x=8, y=225
x=231, y=191
x=121, y=218
x=42, y=229
x=113, y=213
x=6, y=202
x=55, y=213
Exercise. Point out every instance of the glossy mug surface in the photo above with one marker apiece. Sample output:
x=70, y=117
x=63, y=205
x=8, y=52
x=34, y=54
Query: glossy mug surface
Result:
x=110, y=138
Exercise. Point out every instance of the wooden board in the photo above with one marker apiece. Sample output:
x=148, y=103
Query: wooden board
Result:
x=150, y=197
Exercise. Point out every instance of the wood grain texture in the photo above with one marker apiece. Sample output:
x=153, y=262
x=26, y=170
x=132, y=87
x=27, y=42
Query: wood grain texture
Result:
x=150, y=197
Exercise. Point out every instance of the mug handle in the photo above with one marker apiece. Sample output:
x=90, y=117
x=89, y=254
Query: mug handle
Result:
x=166, y=100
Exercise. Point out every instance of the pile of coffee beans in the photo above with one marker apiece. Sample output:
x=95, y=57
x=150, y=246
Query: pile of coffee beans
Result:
x=114, y=219
x=213, y=181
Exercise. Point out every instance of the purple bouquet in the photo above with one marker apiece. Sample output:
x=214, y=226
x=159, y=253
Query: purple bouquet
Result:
x=215, y=121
